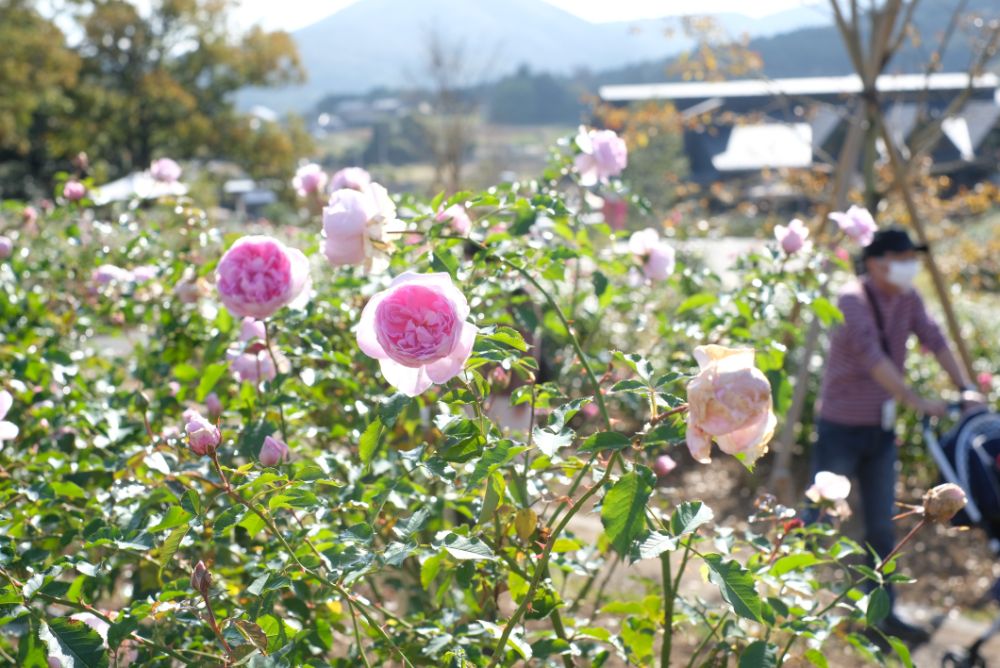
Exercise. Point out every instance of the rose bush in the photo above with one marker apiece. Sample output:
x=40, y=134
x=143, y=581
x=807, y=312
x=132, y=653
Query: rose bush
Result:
x=483, y=434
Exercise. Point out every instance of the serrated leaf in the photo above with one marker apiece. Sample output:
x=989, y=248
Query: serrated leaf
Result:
x=878, y=606
x=794, y=562
x=509, y=337
x=901, y=650
x=170, y=547
x=228, y=518
x=551, y=442
x=736, y=585
x=464, y=548
x=816, y=658
x=369, y=440
x=623, y=511
x=653, y=545
x=175, y=517
x=605, y=440
x=759, y=654
x=73, y=643
x=688, y=516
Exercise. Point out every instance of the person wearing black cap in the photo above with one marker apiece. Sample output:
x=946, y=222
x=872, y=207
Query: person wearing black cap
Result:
x=864, y=382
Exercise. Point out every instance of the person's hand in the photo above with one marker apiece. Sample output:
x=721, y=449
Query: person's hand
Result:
x=971, y=400
x=932, y=407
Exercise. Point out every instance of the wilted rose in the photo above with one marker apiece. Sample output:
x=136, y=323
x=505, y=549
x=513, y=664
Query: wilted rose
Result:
x=943, y=502
x=729, y=401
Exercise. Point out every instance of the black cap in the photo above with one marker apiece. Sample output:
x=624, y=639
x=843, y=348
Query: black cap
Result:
x=891, y=240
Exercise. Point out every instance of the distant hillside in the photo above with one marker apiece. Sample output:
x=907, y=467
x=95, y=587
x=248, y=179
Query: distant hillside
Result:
x=381, y=43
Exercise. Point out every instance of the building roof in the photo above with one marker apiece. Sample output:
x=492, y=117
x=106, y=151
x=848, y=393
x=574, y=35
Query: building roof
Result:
x=804, y=86
x=138, y=185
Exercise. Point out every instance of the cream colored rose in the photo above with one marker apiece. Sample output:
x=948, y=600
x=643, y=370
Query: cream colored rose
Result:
x=729, y=402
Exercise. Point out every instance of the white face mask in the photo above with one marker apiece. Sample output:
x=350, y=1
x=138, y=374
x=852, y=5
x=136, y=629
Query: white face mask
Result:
x=902, y=272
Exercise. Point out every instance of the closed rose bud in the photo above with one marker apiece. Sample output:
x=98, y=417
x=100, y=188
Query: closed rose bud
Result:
x=663, y=465
x=74, y=191
x=942, y=502
x=213, y=405
x=6, y=247
x=203, y=436
x=273, y=452
x=201, y=579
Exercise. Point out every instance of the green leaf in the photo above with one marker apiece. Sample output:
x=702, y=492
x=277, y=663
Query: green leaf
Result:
x=878, y=606
x=653, y=545
x=509, y=337
x=794, y=562
x=605, y=440
x=495, y=490
x=623, y=511
x=31, y=653
x=464, y=548
x=493, y=458
x=444, y=261
x=185, y=373
x=210, y=376
x=816, y=658
x=759, y=654
x=68, y=489
x=121, y=629
x=550, y=442
x=901, y=650
x=688, y=516
x=696, y=301
x=369, y=440
x=170, y=546
x=175, y=517
x=826, y=311
x=73, y=643
x=228, y=518
x=736, y=584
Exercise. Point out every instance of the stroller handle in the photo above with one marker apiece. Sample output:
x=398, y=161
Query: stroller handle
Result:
x=954, y=411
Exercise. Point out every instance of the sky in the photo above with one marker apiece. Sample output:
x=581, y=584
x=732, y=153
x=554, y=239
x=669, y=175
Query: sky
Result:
x=293, y=14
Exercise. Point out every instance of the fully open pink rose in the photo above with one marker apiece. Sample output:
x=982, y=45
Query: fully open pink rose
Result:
x=793, y=237
x=458, y=216
x=74, y=191
x=309, y=179
x=273, y=452
x=360, y=226
x=857, y=223
x=258, y=275
x=603, y=154
x=8, y=430
x=729, y=401
x=828, y=486
x=417, y=330
x=165, y=170
x=352, y=178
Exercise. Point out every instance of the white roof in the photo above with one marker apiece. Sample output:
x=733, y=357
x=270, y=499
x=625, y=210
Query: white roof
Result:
x=766, y=145
x=139, y=185
x=888, y=83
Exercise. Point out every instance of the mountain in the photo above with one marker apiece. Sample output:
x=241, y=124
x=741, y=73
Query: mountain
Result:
x=383, y=43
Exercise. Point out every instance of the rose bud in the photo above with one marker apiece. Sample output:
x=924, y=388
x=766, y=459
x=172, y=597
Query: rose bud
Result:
x=201, y=579
x=6, y=247
x=203, y=436
x=942, y=502
x=273, y=452
x=663, y=465
x=74, y=191
x=213, y=405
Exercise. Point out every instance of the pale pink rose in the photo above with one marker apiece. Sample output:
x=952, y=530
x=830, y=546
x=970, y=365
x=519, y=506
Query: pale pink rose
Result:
x=857, y=223
x=254, y=364
x=828, y=486
x=251, y=329
x=143, y=273
x=359, y=227
x=190, y=289
x=309, y=179
x=729, y=401
x=109, y=273
x=74, y=191
x=352, y=178
x=203, y=436
x=458, y=216
x=417, y=330
x=985, y=380
x=273, y=452
x=793, y=237
x=663, y=465
x=165, y=170
x=8, y=430
x=258, y=275
x=603, y=154
x=641, y=242
x=659, y=262
x=213, y=404
x=943, y=502
x=29, y=216
x=6, y=247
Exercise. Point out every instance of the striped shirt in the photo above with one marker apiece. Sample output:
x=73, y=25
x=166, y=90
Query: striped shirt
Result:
x=850, y=395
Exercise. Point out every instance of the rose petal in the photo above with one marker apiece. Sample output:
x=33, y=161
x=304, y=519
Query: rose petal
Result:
x=367, y=338
x=699, y=444
x=8, y=430
x=6, y=401
x=441, y=282
x=409, y=381
x=447, y=368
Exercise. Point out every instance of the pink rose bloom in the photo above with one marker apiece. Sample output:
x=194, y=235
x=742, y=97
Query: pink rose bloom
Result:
x=658, y=257
x=985, y=380
x=251, y=329
x=29, y=215
x=351, y=178
x=190, y=289
x=417, y=330
x=729, y=401
x=213, y=404
x=828, y=486
x=793, y=237
x=258, y=275
x=165, y=170
x=663, y=465
x=615, y=212
x=642, y=241
x=144, y=273
x=458, y=216
x=74, y=191
x=603, y=154
x=309, y=179
x=842, y=254
x=857, y=223
x=273, y=452
x=8, y=430
x=203, y=436
x=109, y=273
x=254, y=364
x=359, y=227
x=6, y=247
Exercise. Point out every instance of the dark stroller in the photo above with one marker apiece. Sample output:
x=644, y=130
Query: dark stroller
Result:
x=969, y=456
